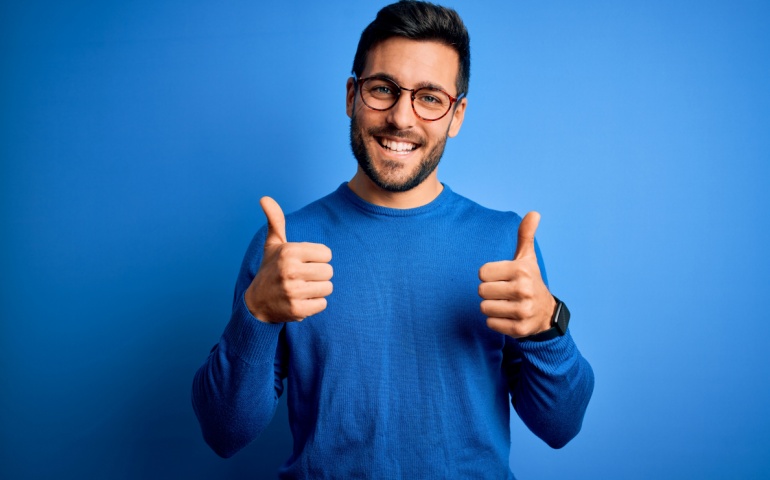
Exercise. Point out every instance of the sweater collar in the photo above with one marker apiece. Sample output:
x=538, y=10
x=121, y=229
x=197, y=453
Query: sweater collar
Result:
x=442, y=199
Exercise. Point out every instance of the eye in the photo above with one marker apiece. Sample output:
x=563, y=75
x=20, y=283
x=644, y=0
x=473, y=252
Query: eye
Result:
x=427, y=98
x=431, y=98
x=380, y=88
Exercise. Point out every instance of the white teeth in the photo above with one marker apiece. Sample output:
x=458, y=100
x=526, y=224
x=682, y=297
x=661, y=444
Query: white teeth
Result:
x=397, y=146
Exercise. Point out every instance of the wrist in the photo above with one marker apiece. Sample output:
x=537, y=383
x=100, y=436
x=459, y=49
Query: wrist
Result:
x=252, y=305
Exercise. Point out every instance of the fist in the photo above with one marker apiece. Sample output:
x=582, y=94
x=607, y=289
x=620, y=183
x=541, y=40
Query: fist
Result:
x=514, y=298
x=293, y=280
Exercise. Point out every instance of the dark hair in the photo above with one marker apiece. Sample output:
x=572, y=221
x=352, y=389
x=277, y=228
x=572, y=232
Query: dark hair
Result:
x=418, y=20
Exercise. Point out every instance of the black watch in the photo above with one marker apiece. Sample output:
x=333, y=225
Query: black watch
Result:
x=559, y=323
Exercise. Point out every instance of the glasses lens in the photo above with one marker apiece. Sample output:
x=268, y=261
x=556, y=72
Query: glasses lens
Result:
x=379, y=94
x=431, y=104
x=382, y=94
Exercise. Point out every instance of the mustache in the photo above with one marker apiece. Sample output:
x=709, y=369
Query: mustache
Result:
x=389, y=131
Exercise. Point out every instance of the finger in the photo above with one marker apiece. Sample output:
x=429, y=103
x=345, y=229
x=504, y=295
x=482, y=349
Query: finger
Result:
x=306, y=308
x=525, y=247
x=507, y=327
x=502, y=290
x=498, y=271
x=308, y=252
x=276, y=222
x=500, y=309
x=313, y=290
x=314, y=272
x=512, y=309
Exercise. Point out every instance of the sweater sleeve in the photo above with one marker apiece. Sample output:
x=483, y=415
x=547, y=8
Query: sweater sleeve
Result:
x=235, y=392
x=550, y=384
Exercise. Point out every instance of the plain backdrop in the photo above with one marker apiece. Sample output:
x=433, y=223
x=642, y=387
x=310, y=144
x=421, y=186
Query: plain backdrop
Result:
x=136, y=139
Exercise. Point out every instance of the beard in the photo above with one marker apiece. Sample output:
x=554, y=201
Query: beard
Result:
x=380, y=178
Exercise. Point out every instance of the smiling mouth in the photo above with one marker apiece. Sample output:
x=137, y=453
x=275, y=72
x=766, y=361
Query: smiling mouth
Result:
x=396, y=146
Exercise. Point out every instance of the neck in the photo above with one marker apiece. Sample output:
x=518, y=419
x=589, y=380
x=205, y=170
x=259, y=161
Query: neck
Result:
x=420, y=195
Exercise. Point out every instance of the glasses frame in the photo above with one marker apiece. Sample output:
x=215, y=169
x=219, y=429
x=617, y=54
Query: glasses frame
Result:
x=361, y=81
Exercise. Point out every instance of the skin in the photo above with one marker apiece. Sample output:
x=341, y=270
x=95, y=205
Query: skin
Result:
x=294, y=279
x=410, y=64
x=515, y=300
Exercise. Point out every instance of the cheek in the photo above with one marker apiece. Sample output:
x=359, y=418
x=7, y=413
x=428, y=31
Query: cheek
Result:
x=365, y=120
x=438, y=133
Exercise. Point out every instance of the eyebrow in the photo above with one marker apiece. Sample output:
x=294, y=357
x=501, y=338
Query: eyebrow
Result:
x=432, y=86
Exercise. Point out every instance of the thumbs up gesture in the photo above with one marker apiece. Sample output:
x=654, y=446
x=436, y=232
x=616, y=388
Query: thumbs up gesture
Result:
x=293, y=279
x=515, y=299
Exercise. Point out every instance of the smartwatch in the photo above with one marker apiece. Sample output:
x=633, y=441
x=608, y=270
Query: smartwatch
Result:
x=559, y=323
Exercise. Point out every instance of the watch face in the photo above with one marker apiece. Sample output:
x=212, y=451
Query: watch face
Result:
x=562, y=318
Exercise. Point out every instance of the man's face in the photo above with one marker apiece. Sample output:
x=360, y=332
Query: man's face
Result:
x=396, y=149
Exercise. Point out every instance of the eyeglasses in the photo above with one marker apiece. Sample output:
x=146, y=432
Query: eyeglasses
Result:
x=428, y=103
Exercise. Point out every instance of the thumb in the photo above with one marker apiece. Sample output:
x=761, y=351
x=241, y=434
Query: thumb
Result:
x=526, y=243
x=276, y=223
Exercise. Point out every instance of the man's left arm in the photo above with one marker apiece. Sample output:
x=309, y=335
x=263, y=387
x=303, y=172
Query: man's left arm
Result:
x=550, y=384
x=549, y=381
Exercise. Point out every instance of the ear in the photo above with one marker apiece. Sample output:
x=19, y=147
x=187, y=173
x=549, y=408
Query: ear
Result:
x=350, y=97
x=457, y=118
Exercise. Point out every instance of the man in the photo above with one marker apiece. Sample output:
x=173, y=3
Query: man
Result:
x=396, y=368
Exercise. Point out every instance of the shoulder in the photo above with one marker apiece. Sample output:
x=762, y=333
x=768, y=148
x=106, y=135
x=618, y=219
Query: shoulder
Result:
x=469, y=210
x=329, y=205
x=318, y=218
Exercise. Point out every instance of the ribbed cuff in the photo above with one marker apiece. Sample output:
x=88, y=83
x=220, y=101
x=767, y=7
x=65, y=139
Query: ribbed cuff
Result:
x=551, y=356
x=250, y=339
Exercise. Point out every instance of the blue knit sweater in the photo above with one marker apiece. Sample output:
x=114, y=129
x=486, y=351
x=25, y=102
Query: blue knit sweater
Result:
x=399, y=377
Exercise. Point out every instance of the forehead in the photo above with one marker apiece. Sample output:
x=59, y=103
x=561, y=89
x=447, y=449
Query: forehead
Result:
x=414, y=62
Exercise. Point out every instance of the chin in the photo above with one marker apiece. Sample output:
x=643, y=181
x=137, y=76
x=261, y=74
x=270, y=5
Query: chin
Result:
x=389, y=175
x=380, y=176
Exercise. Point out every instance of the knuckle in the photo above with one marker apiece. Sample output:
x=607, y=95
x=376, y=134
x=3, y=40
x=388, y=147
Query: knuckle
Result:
x=519, y=290
x=526, y=290
x=525, y=273
x=286, y=250
x=286, y=287
x=290, y=272
x=283, y=260
x=510, y=290
x=515, y=272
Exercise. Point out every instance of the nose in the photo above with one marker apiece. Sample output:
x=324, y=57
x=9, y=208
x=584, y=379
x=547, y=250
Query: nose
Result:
x=401, y=115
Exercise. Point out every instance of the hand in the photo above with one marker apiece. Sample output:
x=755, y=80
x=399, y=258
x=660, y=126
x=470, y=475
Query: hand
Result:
x=294, y=279
x=515, y=299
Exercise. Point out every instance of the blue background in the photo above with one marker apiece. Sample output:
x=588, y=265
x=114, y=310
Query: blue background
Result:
x=136, y=139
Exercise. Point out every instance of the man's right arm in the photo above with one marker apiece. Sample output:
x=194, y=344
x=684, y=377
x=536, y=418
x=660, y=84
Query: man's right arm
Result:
x=236, y=391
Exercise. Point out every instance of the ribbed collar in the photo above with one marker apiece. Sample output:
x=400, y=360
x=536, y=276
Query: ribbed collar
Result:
x=442, y=199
